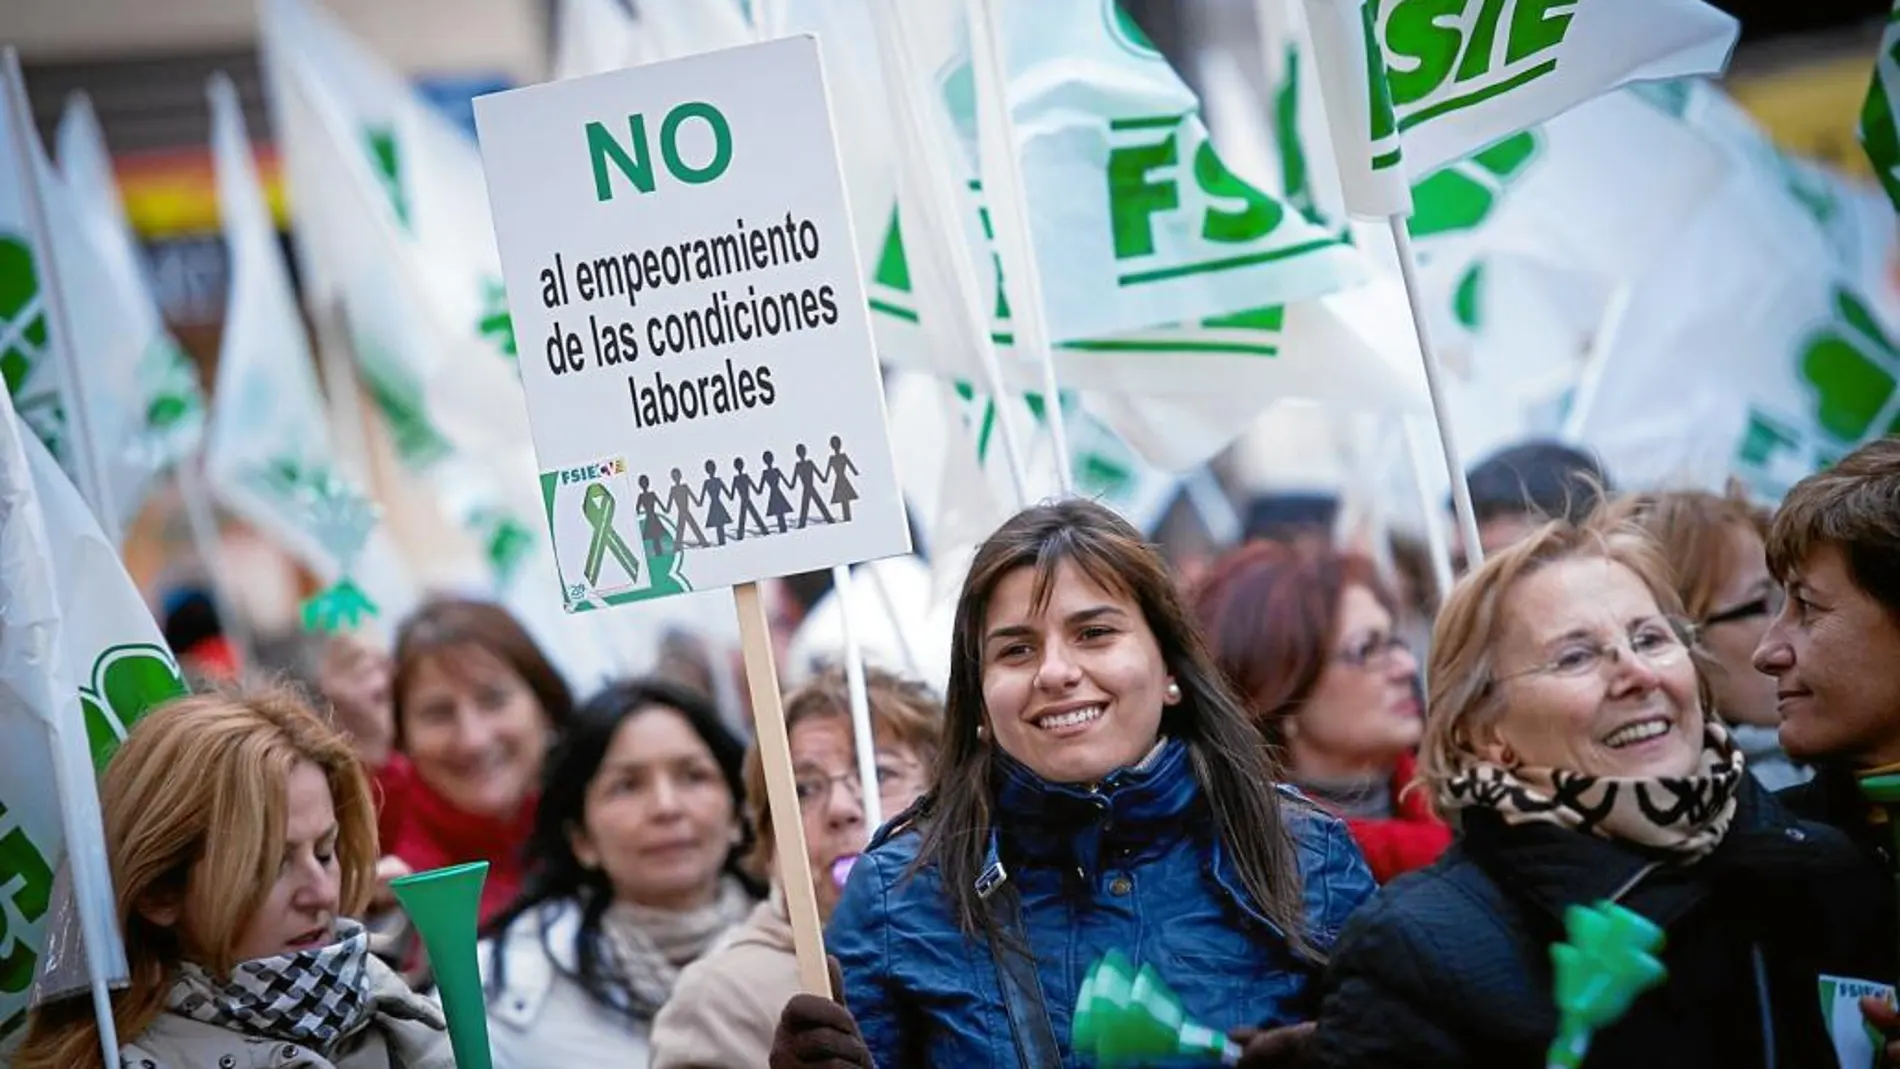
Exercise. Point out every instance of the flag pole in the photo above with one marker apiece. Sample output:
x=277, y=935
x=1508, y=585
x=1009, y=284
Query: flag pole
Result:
x=1596, y=361
x=1434, y=376
x=84, y=443
x=205, y=537
x=924, y=177
x=1003, y=189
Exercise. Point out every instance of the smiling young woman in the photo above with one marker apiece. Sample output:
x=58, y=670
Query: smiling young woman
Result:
x=1095, y=766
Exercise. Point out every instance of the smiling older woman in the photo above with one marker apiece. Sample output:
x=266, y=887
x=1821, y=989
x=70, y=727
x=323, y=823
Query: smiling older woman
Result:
x=1568, y=731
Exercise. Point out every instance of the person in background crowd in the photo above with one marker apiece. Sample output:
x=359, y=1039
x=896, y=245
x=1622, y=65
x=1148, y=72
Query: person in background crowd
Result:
x=194, y=632
x=1305, y=635
x=242, y=838
x=1834, y=648
x=1714, y=547
x=1518, y=488
x=1099, y=789
x=634, y=874
x=727, y=1003
x=474, y=707
x=1567, y=730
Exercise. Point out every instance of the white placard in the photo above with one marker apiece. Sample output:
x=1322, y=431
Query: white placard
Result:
x=695, y=344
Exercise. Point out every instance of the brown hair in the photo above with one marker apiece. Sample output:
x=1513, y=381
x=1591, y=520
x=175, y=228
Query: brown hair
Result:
x=449, y=627
x=903, y=711
x=1269, y=611
x=1692, y=528
x=1853, y=506
x=1464, y=697
x=1236, y=774
x=194, y=805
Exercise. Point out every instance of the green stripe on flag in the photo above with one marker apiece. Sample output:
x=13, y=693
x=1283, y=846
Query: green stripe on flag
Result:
x=893, y=310
x=1164, y=273
x=1386, y=159
x=1478, y=96
x=1133, y=345
x=1146, y=122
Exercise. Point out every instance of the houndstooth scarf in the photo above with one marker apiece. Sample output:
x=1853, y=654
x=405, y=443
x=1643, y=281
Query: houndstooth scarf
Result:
x=1684, y=816
x=315, y=997
x=647, y=948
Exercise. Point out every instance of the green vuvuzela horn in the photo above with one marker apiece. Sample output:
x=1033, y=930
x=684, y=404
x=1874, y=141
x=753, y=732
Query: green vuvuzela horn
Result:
x=443, y=904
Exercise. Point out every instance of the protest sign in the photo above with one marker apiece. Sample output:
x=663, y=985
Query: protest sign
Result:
x=697, y=354
x=684, y=284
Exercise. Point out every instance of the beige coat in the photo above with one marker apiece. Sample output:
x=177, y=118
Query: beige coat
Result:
x=726, y=1005
x=407, y=1032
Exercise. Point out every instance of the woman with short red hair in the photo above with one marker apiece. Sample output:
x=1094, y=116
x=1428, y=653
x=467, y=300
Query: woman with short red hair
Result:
x=1305, y=635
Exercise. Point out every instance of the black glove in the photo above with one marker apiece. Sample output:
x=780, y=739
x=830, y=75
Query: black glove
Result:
x=1273, y=1048
x=819, y=1033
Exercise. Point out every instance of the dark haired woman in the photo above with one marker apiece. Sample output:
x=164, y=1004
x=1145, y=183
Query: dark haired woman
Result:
x=634, y=873
x=1099, y=788
x=1305, y=634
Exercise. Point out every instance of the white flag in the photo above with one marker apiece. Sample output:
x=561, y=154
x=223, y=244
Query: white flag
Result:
x=81, y=662
x=268, y=452
x=1411, y=85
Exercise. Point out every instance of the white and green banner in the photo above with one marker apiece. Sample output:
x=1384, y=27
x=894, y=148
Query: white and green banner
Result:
x=268, y=453
x=82, y=661
x=1880, y=115
x=136, y=359
x=1411, y=85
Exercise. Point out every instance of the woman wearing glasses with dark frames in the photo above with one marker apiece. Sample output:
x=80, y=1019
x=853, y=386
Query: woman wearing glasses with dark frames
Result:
x=1569, y=735
x=1305, y=635
x=1714, y=546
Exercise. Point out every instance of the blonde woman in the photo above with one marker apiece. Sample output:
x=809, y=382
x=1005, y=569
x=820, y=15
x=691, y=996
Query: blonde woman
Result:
x=1719, y=561
x=722, y=1014
x=1567, y=732
x=241, y=838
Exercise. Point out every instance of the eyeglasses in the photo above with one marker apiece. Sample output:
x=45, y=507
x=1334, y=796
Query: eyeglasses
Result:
x=814, y=787
x=1769, y=604
x=1658, y=643
x=1371, y=649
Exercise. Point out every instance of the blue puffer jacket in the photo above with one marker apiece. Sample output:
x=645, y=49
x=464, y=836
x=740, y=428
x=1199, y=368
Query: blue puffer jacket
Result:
x=1131, y=866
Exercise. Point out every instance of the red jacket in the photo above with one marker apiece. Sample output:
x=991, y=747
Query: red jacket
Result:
x=1410, y=839
x=427, y=832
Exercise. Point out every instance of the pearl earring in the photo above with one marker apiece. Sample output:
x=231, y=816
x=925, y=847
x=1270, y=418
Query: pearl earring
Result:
x=982, y=732
x=1173, y=692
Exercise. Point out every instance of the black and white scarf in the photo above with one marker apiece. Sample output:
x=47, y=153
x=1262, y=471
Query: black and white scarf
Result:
x=1683, y=816
x=315, y=997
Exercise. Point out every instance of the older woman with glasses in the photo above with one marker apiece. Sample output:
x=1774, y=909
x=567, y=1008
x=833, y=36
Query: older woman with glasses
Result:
x=1720, y=567
x=1306, y=636
x=1568, y=731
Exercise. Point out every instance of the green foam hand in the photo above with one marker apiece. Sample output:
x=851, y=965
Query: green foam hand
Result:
x=1608, y=961
x=1125, y=1018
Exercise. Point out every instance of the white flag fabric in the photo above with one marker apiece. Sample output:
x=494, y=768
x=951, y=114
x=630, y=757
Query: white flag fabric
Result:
x=156, y=378
x=1753, y=347
x=592, y=37
x=82, y=660
x=1412, y=85
x=1879, y=125
x=268, y=451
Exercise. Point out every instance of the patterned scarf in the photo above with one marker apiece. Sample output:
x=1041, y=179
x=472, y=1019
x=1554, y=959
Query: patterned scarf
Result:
x=315, y=997
x=1683, y=816
x=646, y=947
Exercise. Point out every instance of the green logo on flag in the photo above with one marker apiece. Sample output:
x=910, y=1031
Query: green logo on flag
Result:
x=27, y=879
x=385, y=160
x=1381, y=127
x=418, y=443
x=127, y=682
x=1446, y=65
x=505, y=543
x=1880, y=115
x=1854, y=369
x=495, y=325
x=1462, y=195
x=22, y=316
x=1126, y=32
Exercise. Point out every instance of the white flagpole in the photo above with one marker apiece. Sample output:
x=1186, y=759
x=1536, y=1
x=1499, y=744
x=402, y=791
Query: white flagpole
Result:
x=889, y=604
x=1590, y=382
x=93, y=928
x=925, y=177
x=1008, y=201
x=83, y=442
x=1441, y=411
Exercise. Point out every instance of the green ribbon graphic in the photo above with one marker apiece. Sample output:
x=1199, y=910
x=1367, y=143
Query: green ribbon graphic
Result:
x=598, y=506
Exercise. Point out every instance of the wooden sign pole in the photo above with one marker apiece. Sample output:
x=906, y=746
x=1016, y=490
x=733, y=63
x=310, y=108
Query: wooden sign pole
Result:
x=781, y=792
